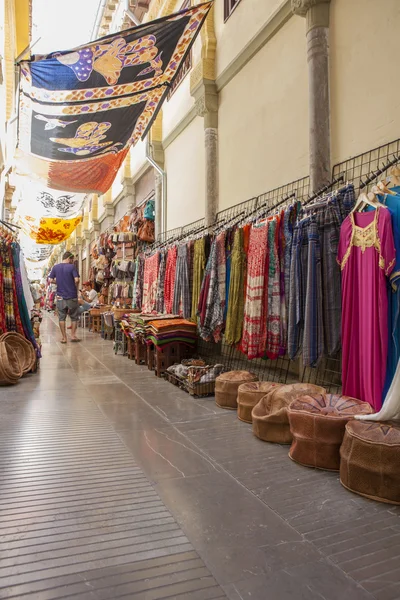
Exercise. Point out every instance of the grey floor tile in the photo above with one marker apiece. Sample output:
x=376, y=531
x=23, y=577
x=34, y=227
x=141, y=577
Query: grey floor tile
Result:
x=116, y=484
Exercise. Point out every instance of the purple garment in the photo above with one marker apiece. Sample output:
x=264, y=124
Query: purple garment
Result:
x=65, y=274
x=366, y=256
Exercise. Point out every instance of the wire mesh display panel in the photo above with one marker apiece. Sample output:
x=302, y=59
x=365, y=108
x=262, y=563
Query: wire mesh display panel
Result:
x=363, y=171
x=180, y=232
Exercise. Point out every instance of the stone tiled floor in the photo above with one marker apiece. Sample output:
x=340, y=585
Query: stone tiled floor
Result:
x=114, y=484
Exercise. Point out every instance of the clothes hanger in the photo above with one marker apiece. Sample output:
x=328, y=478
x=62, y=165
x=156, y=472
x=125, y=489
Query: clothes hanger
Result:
x=369, y=199
x=395, y=176
x=383, y=189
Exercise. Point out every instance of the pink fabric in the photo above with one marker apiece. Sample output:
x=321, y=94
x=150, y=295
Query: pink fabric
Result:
x=150, y=277
x=256, y=304
x=169, y=282
x=365, y=304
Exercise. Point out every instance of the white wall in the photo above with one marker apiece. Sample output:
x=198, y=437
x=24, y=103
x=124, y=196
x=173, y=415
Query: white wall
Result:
x=185, y=165
x=175, y=109
x=365, y=83
x=144, y=186
x=138, y=158
x=243, y=24
x=263, y=119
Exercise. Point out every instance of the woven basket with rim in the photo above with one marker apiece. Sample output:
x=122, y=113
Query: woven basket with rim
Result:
x=227, y=385
x=23, y=348
x=250, y=394
x=10, y=367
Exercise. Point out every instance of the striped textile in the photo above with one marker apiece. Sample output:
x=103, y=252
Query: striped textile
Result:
x=255, y=310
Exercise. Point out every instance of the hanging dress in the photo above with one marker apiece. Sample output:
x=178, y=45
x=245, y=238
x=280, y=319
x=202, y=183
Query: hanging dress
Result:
x=256, y=304
x=366, y=257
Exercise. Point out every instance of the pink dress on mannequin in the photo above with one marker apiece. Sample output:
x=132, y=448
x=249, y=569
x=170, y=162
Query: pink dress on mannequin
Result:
x=366, y=256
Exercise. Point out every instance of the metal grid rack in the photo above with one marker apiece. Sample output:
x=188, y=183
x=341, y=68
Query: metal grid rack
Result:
x=179, y=232
x=363, y=171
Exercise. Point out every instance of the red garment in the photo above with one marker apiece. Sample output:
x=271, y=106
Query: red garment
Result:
x=169, y=283
x=3, y=325
x=256, y=307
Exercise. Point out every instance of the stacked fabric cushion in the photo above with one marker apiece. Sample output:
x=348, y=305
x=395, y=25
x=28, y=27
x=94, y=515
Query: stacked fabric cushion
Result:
x=250, y=394
x=370, y=459
x=227, y=386
x=270, y=415
x=164, y=332
x=317, y=423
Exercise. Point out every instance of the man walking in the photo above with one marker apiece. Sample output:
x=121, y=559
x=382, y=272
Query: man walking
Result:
x=67, y=279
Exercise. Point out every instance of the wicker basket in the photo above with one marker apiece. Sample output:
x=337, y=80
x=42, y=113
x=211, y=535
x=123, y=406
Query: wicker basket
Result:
x=270, y=415
x=23, y=348
x=250, y=394
x=104, y=308
x=120, y=312
x=10, y=367
x=227, y=385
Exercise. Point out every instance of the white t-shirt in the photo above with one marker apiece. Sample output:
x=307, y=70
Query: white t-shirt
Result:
x=92, y=297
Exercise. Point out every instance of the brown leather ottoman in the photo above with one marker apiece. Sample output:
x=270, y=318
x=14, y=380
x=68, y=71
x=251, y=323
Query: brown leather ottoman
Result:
x=270, y=418
x=317, y=423
x=370, y=464
x=227, y=385
x=249, y=394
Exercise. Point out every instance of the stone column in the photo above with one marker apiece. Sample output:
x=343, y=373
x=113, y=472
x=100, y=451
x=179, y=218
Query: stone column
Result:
x=316, y=13
x=206, y=102
x=204, y=91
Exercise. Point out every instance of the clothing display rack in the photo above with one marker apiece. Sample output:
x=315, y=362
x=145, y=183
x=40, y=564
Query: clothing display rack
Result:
x=362, y=170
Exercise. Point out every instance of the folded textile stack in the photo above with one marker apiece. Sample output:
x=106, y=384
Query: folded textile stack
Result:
x=136, y=325
x=162, y=332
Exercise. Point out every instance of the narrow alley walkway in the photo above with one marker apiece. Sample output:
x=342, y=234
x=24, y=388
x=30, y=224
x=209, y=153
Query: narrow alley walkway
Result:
x=114, y=484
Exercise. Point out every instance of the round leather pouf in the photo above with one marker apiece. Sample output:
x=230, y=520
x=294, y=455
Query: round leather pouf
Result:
x=227, y=385
x=317, y=423
x=249, y=394
x=370, y=459
x=270, y=415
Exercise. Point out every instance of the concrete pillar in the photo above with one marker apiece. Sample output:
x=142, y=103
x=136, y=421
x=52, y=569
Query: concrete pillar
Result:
x=206, y=99
x=316, y=13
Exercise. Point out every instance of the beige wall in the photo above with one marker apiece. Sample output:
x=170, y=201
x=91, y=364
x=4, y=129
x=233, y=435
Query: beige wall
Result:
x=243, y=24
x=263, y=119
x=138, y=159
x=144, y=186
x=175, y=109
x=185, y=165
x=365, y=86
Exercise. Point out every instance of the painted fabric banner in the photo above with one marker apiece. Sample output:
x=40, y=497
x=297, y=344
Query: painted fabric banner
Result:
x=48, y=231
x=40, y=201
x=81, y=110
x=34, y=252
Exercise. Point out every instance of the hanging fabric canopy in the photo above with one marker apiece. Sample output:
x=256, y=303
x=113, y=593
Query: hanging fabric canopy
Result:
x=34, y=253
x=40, y=201
x=81, y=110
x=48, y=231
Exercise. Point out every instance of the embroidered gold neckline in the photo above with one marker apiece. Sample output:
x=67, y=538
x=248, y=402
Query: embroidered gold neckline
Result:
x=364, y=237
